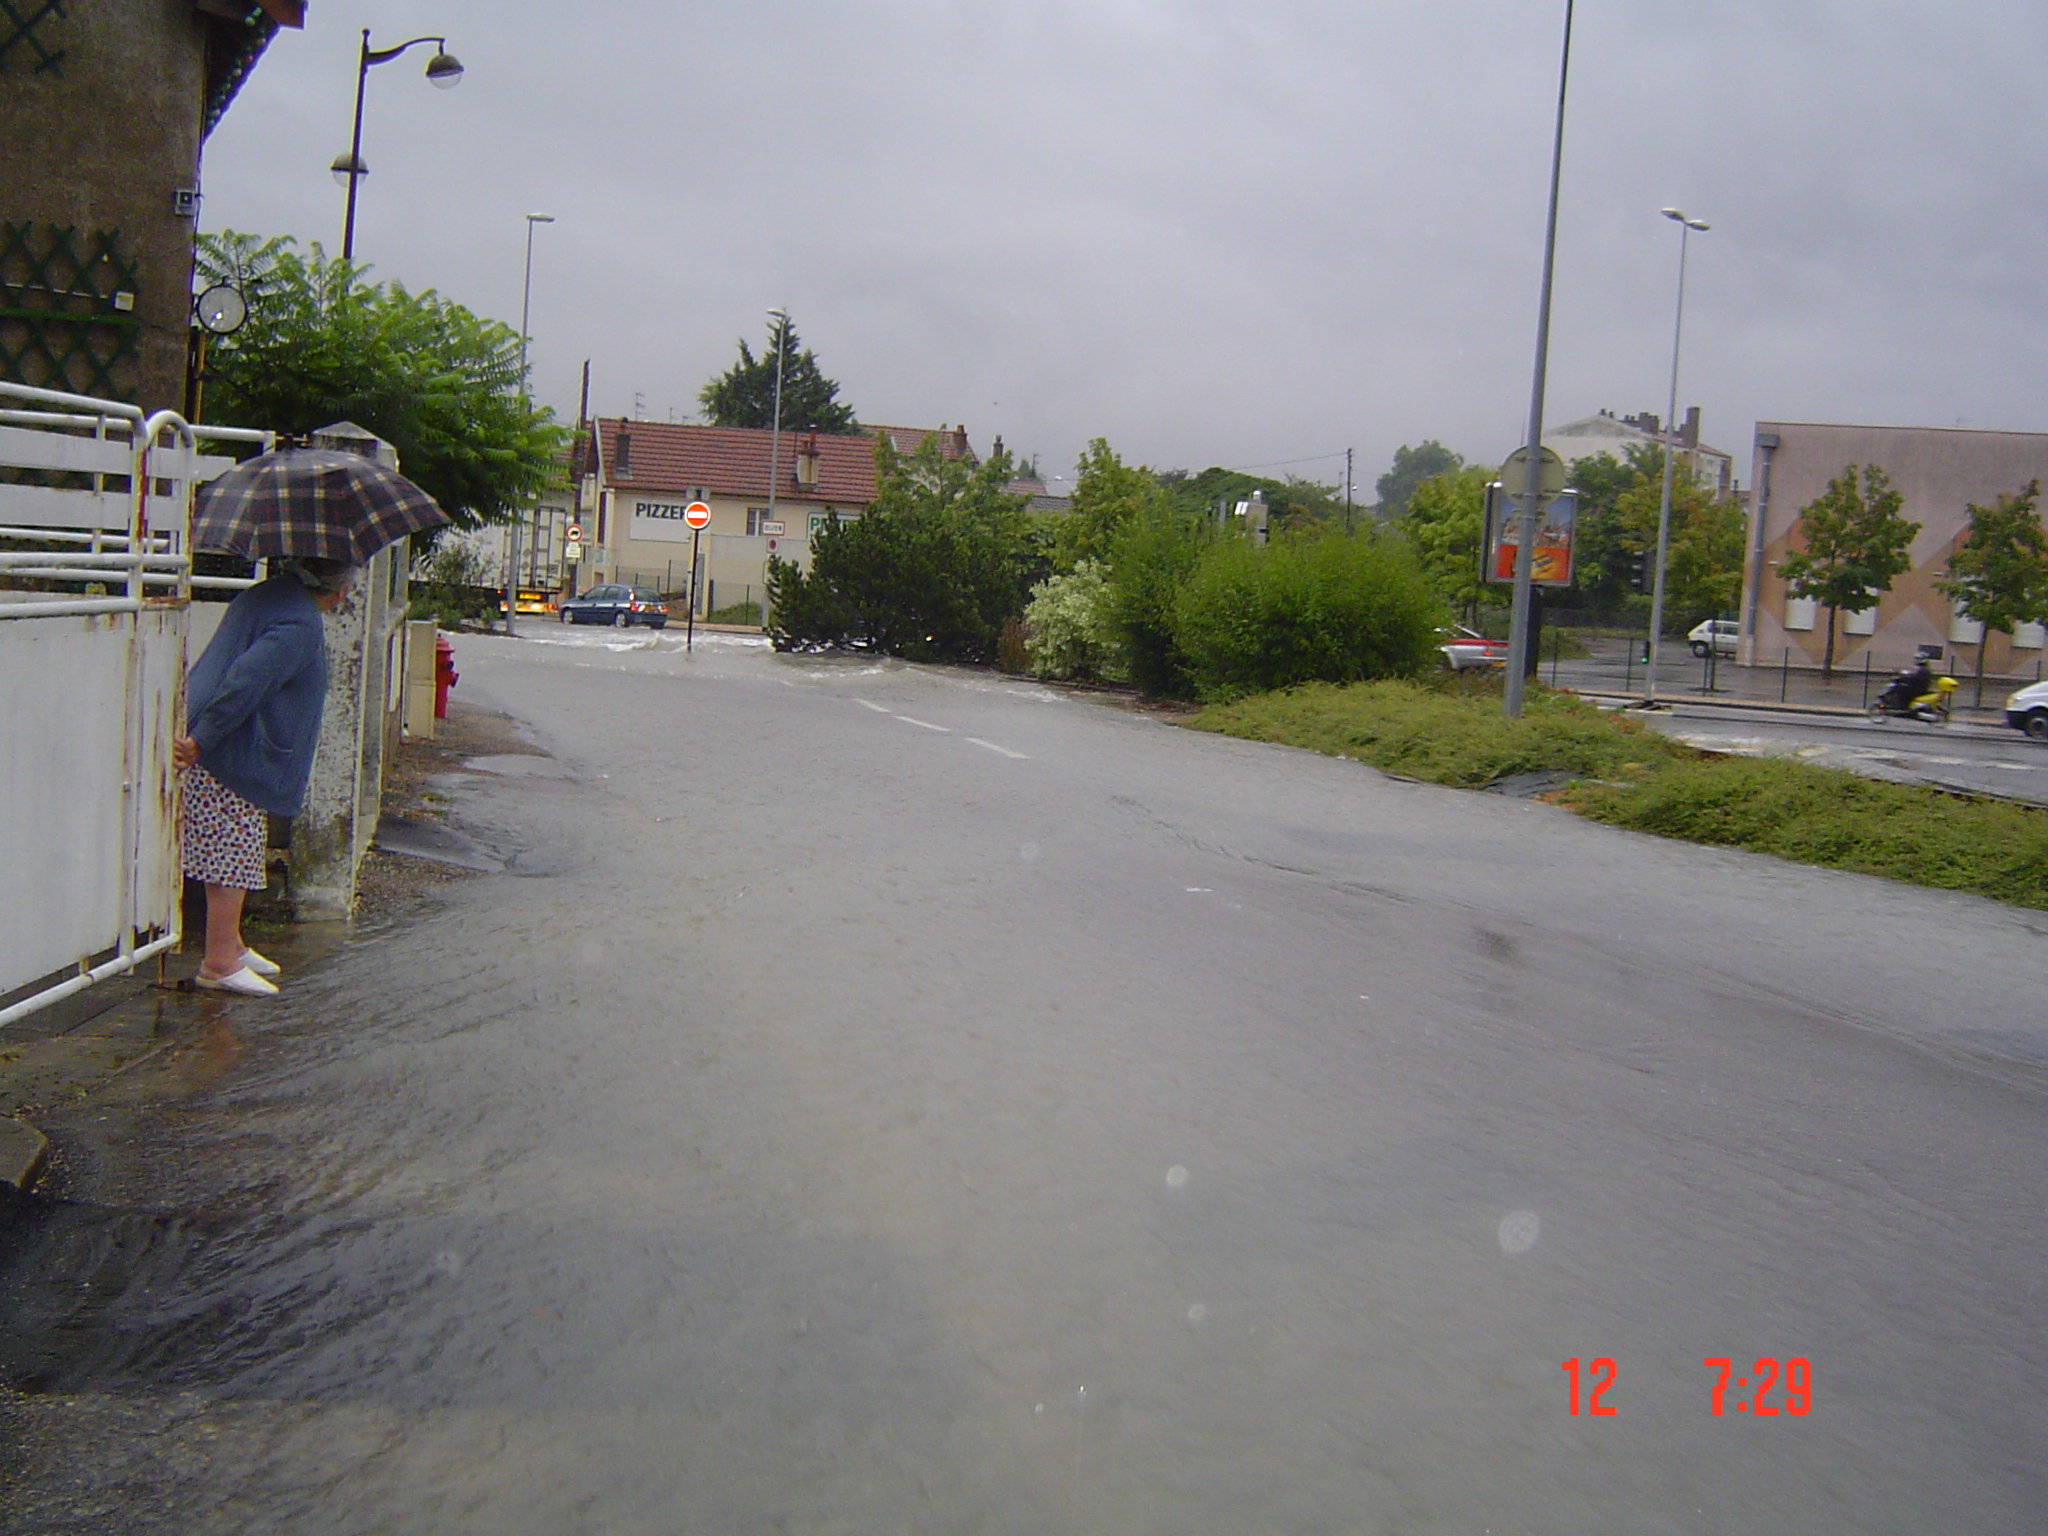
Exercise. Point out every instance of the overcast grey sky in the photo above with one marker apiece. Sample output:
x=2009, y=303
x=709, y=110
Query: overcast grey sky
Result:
x=1237, y=232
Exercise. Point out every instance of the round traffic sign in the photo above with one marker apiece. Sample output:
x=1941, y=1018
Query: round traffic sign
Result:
x=573, y=533
x=697, y=515
x=1550, y=474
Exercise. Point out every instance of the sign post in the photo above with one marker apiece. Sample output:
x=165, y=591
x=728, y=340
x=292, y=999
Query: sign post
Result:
x=698, y=516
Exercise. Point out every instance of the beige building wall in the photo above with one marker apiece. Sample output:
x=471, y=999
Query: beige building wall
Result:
x=1938, y=474
x=647, y=542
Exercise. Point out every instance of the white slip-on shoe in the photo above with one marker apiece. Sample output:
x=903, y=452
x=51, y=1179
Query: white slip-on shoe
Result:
x=243, y=983
x=261, y=965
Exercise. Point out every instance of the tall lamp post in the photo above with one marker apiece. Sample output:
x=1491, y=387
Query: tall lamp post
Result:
x=1685, y=228
x=525, y=395
x=781, y=319
x=443, y=69
x=1519, y=660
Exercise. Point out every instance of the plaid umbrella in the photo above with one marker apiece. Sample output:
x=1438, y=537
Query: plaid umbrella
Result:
x=310, y=502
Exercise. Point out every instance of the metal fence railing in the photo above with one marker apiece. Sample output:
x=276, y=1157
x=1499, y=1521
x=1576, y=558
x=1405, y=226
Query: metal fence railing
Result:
x=95, y=590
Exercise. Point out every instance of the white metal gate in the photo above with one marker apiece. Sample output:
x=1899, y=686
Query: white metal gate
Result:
x=95, y=592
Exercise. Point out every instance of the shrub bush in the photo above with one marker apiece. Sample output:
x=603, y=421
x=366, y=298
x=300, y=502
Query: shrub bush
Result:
x=1069, y=631
x=1153, y=556
x=1314, y=608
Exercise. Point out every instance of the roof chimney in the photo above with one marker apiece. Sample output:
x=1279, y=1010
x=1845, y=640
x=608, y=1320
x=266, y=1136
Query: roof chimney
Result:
x=622, y=455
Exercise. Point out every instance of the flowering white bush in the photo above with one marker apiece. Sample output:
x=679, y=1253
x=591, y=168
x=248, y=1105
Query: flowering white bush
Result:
x=1068, y=619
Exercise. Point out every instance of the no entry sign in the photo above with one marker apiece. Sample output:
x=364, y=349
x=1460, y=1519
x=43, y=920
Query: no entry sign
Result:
x=697, y=515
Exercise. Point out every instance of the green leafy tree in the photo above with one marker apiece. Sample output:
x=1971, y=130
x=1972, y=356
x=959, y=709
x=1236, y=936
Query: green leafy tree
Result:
x=1291, y=504
x=744, y=395
x=1442, y=523
x=440, y=384
x=1601, y=546
x=1411, y=467
x=932, y=571
x=1109, y=496
x=1998, y=575
x=1703, y=559
x=1855, y=545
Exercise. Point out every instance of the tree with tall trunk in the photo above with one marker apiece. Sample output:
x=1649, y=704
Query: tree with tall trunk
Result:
x=1854, y=546
x=1998, y=575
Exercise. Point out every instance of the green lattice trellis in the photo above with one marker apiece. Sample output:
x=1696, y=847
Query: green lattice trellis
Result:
x=59, y=324
x=18, y=22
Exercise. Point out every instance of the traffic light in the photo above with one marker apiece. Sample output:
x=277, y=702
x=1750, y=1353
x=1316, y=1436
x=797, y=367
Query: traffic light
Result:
x=1639, y=570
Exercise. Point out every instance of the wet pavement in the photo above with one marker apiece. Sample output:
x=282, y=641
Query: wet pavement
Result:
x=876, y=1098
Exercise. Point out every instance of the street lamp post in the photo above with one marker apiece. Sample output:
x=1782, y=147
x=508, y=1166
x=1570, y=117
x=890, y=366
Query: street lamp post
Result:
x=443, y=69
x=781, y=319
x=525, y=395
x=1519, y=661
x=1685, y=228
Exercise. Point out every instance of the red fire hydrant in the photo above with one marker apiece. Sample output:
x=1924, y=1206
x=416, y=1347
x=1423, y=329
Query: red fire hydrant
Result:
x=444, y=674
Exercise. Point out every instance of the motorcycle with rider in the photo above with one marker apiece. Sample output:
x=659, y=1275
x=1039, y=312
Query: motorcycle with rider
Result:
x=1920, y=692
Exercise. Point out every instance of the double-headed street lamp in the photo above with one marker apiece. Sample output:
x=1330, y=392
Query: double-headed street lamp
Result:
x=1685, y=228
x=443, y=69
x=525, y=394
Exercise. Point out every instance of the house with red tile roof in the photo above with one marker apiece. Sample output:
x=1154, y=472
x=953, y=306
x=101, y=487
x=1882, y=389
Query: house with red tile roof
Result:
x=638, y=478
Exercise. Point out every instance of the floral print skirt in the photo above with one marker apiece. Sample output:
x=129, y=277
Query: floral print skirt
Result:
x=222, y=835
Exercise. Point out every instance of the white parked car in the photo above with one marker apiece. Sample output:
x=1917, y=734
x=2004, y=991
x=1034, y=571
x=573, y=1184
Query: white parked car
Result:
x=1464, y=649
x=1719, y=635
x=2027, y=711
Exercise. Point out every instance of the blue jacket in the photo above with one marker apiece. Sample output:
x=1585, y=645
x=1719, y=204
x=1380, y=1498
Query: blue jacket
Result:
x=254, y=700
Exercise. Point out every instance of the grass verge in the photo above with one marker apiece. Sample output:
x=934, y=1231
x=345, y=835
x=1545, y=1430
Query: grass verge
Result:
x=1452, y=732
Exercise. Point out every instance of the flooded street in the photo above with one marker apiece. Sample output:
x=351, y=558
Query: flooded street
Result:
x=882, y=1099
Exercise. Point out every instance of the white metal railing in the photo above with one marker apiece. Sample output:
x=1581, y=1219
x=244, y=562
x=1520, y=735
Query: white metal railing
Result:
x=92, y=685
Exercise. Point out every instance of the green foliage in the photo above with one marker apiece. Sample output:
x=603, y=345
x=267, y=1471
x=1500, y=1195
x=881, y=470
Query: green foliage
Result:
x=1443, y=522
x=1703, y=560
x=439, y=383
x=1601, y=547
x=1068, y=625
x=931, y=572
x=1447, y=733
x=1839, y=821
x=1998, y=575
x=1153, y=557
x=1108, y=497
x=1411, y=467
x=735, y=613
x=1855, y=545
x=451, y=585
x=1291, y=504
x=744, y=395
x=1311, y=608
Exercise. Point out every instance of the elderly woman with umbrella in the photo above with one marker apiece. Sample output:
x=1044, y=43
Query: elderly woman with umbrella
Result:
x=255, y=697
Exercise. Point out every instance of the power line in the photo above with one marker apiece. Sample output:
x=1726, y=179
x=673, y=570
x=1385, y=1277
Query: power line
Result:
x=1314, y=458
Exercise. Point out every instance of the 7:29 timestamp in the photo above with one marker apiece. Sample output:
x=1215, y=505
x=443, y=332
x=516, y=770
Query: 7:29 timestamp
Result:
x=1794, y=1377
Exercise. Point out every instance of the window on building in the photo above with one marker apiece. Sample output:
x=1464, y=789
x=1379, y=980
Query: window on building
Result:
x=2029, y=637
x=1860, y=621
x=1799, y=612
x=1962, y=631
x=756, y=516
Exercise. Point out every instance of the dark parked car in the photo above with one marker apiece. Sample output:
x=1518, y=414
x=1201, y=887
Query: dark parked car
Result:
x=622, y=606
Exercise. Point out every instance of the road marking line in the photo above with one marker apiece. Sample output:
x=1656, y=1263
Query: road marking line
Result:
x=1020, y=756
x=880, y=709
x=907, y=720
